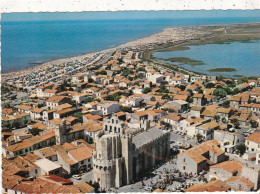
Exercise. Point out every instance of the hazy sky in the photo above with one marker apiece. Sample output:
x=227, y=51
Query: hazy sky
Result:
x=127, y=15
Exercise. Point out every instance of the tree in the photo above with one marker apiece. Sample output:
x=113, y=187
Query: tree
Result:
x=146, y=90
x=16, y=124
x=127, y=72
x=226, y=104
x=7, y=125
x=199, y=137
x=25, y=121
x=235, y=91
x=89, y=99
x=235, y=123
x=95, y=185
x=78, y=115
x=217, y=117
x=228, y=90
x=253, y=124
x=90, y=80
x=34, y=131
x=242, y=80
x=241, y=149
x=224, y=120
x=210, y=85
x=220, y=92
x=221, y=77
x=126, y=109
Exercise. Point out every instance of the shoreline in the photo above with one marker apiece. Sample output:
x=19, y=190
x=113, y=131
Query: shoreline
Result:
x=167, y=38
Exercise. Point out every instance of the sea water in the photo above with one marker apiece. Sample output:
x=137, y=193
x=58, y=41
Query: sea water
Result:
x=25, y=43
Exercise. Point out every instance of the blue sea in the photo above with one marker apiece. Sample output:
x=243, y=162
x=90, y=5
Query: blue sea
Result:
x=27, y=42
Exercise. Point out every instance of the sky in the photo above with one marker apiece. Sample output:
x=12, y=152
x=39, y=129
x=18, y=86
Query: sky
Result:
x=127, y=15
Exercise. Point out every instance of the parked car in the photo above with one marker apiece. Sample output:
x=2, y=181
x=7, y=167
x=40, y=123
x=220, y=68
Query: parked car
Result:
x=77, y=177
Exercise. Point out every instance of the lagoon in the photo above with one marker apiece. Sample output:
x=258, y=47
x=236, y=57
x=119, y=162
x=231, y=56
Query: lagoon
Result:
x=244, y=57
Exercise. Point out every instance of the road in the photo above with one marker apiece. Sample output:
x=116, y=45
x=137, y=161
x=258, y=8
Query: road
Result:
x=86, y=177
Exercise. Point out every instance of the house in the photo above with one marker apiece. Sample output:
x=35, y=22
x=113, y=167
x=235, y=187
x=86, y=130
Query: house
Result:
x=240, y=183
x=24, y=108
x=177, y=81
x=174, y=120
x=51, y=184
x=206, y=130
x=108, y=108
x=224, y=112
x=48, y=153
x=49, y=167
x=16, y=120
x=253, y=142
x=235, y=101
x=196, y=111
x=36, y=113
x=29, y=145
x=199, y=100
x=200, y=157
x=228, y=141
x=83, y=155
x=40, y=89
x=135, y=102
x=177, y=105
x=212, y=186
x=55, y=101
x=77, y=78
x=139, y=115
x=154, y=78
x=225, y=170
x=195, y=79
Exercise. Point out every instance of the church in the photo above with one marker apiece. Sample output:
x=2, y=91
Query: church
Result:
x=122, y=153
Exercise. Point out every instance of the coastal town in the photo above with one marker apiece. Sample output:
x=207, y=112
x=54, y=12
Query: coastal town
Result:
x=118, y=121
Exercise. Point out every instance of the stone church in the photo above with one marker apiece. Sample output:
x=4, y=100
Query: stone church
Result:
x=122, y=154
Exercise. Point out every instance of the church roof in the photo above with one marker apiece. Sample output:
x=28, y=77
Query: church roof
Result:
x=145, y=137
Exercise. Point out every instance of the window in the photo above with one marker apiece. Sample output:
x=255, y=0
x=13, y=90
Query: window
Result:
x=184, y=160
x=183, y=167
x=36, y=171
x=82, y=162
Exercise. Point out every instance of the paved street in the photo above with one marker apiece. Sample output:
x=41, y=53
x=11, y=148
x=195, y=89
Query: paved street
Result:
x=159, y=175
x=86, y=177
x=181, y=140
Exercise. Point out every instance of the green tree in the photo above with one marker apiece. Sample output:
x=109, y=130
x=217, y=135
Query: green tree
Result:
x=146, y=90
x=117, y=98
x=127, y=72
x=210, y=85
x=235, y=123
x=253, y=124
x=126, y=109
x=78, y=115
x=199, y=137
x=16, y=124
x=25, y=121
x=220, y=92
x=221, y=77
x=217, y=118
x=242, y=80
x=241, y=149
x=228, y=90
x=34, y=131
x=89, y=99
x=95, y=185
x=235, y=91
x=226, y=104
x=7, y=125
